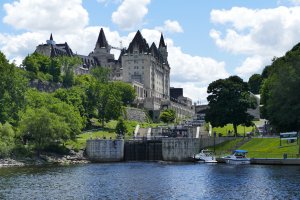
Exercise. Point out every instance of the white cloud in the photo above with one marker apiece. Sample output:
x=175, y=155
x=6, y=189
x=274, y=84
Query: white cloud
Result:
x=46, y=15
x=251, y=65
x=295, y=2
x=130, y=13
x=170, y=26
x=260, y=34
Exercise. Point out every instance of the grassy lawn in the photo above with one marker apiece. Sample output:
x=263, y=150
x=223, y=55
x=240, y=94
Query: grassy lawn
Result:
x=229, y=127
x=225, y=147
x=269, y=148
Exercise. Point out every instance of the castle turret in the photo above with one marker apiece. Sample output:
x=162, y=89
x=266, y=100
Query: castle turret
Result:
x=51, y=41
x=102, y=43
x=163, y=49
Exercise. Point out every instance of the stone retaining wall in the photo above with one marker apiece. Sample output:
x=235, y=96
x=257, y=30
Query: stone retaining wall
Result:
x=105, y=150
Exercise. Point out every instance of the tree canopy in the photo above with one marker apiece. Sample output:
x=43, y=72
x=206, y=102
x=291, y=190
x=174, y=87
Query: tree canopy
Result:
x=13, y=85
x=280, y=92
x=168, y=116
x=255, y=83
x=229, y=99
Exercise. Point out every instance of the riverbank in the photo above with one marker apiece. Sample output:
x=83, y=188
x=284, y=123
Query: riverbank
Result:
x=46, y=159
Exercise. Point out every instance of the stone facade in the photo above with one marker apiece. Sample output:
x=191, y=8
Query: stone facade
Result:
x=148, y=66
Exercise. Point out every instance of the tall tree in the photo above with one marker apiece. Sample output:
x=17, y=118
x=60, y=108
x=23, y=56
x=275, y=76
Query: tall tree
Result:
x=13, y=85
x=101, y=74
x=254, y=83
x=229, y=99
x=43, y=127
x=126, y=91
x=121, y=128
x=68, y=66
x=280, y=92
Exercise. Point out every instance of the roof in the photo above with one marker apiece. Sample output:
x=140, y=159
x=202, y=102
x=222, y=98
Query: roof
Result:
x=101, y=41
x=140, y=42
x=162, y=41
x=240, y=151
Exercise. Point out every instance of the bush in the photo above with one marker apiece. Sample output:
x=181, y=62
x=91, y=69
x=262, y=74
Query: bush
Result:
x=7, y=141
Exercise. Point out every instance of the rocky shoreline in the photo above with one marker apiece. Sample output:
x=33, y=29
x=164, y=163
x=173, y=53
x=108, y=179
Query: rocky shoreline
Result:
x=45, y=159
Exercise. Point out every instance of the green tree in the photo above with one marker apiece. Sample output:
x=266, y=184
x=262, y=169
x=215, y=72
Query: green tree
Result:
x=229, y=99
x=280, y=92
x=13, y=85
x=75, y=96
x=43, y=127
x=109, y=103
x=121, y=128
x=254, y=83
x=68, y=66
x=101, y=74
x=70, y=114
x=37, y=63
x=55, y=70
x=168, y=116
x=126, y=91
x=7, y=139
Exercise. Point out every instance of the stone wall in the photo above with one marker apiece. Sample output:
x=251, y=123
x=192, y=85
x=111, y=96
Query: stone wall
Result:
x=105, y=150
x=183, y=149
x=136, y=114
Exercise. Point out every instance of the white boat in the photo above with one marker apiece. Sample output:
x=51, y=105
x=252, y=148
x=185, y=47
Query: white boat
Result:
x=205, y=156
x=238, y=157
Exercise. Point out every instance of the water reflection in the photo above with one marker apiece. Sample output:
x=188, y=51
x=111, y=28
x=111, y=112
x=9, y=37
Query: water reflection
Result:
x=151, y=181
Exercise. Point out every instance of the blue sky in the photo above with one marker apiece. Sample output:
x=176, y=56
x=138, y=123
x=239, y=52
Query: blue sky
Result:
x=207, y=39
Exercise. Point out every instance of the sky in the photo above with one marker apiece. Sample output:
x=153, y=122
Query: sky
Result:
x=207, y=39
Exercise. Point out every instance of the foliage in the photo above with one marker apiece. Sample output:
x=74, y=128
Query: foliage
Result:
x=47, y=119
x=168, y=116
x=101, y=74
x=105, y=99
x=280, y=92
x=75, y=96
x=42, y=67
x=68, y=65
x=229, y=100
x=43, y=127
x=126, y=91
x=121, y=128
x=13, y=85
x=7, y=140
x=254, y=83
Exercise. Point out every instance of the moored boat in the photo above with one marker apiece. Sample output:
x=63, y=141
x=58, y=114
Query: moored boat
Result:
x=237, y=157
x=205, y=156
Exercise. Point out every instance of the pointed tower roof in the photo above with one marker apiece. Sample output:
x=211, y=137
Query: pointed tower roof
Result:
x=140, y=42
x=162, y=41
x=102, y=42
x=51, y=37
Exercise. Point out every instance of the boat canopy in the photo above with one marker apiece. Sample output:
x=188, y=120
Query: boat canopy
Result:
x=241, y=151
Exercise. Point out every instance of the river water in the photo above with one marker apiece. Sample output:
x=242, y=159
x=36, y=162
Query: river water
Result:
x=142, y=180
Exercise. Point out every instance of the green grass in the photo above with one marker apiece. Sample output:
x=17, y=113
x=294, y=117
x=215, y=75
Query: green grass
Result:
x=229, y=127
x=270, y=148
x=225, y=147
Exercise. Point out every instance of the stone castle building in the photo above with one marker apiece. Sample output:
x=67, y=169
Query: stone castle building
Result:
x=145, y=67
